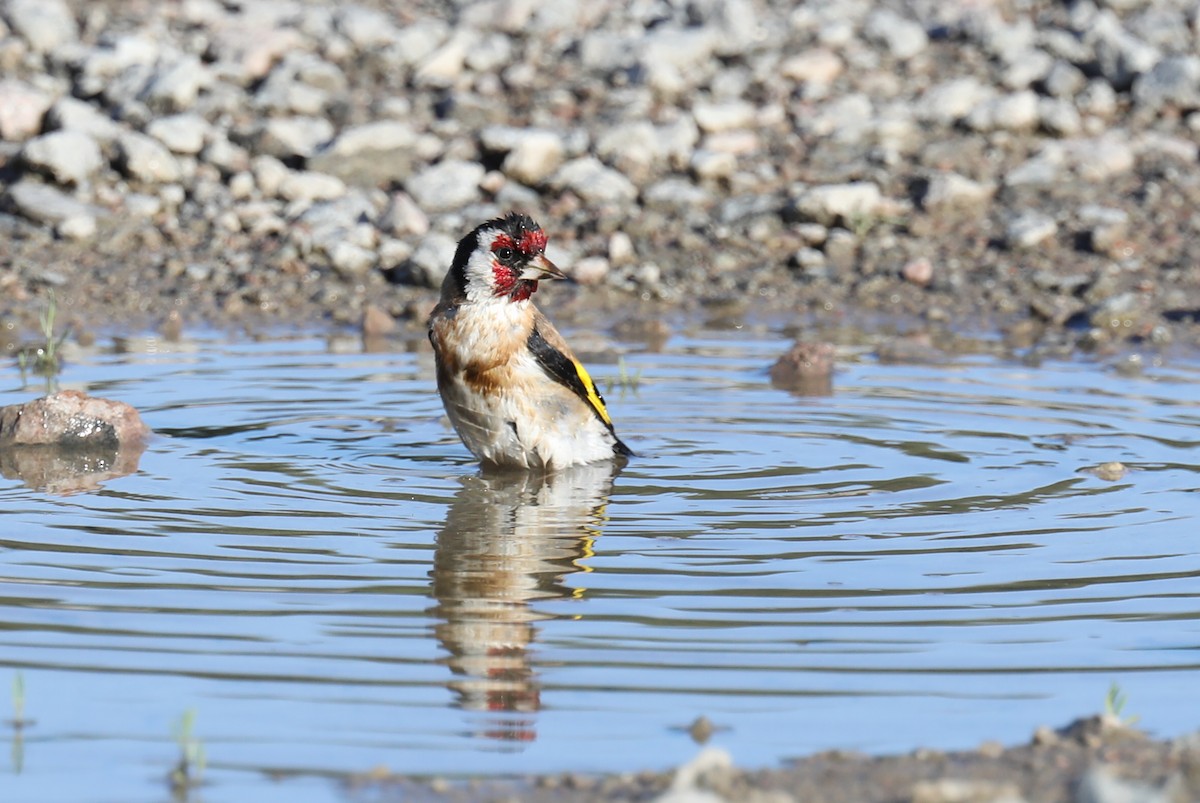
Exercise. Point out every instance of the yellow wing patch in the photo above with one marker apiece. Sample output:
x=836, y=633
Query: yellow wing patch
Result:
x=593, y=396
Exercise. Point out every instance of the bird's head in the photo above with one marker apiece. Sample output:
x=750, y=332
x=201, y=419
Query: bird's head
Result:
x=503, y=258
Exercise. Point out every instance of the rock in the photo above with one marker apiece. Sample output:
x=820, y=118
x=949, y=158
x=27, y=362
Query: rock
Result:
x=269, y=174
x=816, y=66
x=832, y=203
x=71, y=418
x=949, y=190
x=327, y=226
x=708, y=164
x=951, y=101
x=429, y=262
x=366, y=28
x=806, y=369
x=45, y=204
x=962, y=790
x=294, y=137
x=590, y=270
x=676, y=194
x=369, y=154
x=22, y=108
x=723, y=116
x=181, y=133
x=904, y=38
x=918, y=271
x=1111, y=471
x=403, y=217
x=1101, y=785
x=351, y=261
x=450, y=184
x=305, y=185
x=377, y=322
x=71, y=114
x=45, y=24
x=1174, y=81
x=534, y=157
x=69, y=157
x=176, y=86
x=1013, y=112
x=593, y=182
x=442, y=67
x=620, y=248
x=1064, y=80
x=1029, y=230
x=145, y=159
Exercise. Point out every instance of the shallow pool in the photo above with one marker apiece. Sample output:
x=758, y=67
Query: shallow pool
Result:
x=308, y=560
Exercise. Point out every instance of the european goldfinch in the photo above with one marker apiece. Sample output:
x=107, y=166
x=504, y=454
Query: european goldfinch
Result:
x=513, y=390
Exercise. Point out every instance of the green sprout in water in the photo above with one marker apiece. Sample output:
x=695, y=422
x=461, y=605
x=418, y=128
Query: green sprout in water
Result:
x=18, y=723
x=44, y=358
x=1114, y=705
x=625, y=381
x=189, y=771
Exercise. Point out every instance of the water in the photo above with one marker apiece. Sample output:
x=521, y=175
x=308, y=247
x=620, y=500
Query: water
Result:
x=308, y=560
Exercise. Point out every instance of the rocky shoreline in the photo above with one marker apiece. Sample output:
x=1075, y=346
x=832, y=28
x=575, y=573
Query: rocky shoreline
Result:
x=1023, y=167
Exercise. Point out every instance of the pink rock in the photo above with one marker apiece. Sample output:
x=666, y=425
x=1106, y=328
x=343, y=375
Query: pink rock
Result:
x=71, y=418
x=22, y=108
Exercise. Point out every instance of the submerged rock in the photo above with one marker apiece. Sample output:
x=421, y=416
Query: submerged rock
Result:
x=806, y=369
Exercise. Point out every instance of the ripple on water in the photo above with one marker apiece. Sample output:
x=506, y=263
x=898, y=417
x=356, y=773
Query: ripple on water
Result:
x=308, y=558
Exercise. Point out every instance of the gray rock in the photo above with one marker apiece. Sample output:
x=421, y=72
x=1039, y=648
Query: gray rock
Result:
x=831, y=203
x=429, y=262
x=44, y=24
x=1065, y=80
x=1059, y=117
x=145, y=159
x=490, y=53
x=351, y=261
x=904, y=38
x=224, y=155
x=819, y=66
x=69, y=157
x=1174, y=81
x=724, y=116
x=594, y=182
x=416, y=42
x=951, y=101
x=42, y=203
x=1102, y=785
x=305, y=185
x=1013, y=112
x=605, y=51
x=676, y=193
x=1029, y=230
x=1106, y=227
x=22, y=108
x=1027, y=67
x=366, y=28
x=447, y=185
x=325, y=226
x=181, y=133
x=948, y=190
x=403, y=217
x=1120, y=56
x=535, y=157
x=269, y=174
x=369, y=154
x=291, y=137
x=71, y=114
x=442, y=67
x=741, y=25
x=708, y=164
x=176, y=86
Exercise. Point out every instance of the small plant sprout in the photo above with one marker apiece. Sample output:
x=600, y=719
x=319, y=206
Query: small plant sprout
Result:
x=44, y=358
x=18, y=698
x=625, y=381
x=189, y=770
x=1114, y=705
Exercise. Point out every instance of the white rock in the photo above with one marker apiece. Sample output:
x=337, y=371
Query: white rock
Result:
x=72, y=114
x=903, y=37
x=951, y=100
x=724, y=116
x=1013, y=112
x=620, y=248
x=817, y=66
x=590, y=270
x=145, y=159
x=181, y=133
x=289, y=137
x=1029, y=229
x=383, y=135
x=69, y=157
x=351, y=261
x=22, y=108
x=593, y=182
x=269, y=174
x=713, y=164
x=442, y=67
x=432, y=258
x=535, y=157
x=951, y=190
x=830, y=203
x=44, y=24
x=403, y=217
x=45, y=204
x=447, y=185
x=366, y=28
x=305, y=185
x=177, y=86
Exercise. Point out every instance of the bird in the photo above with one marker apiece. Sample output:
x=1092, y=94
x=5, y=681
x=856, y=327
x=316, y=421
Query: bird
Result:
x=514, y=391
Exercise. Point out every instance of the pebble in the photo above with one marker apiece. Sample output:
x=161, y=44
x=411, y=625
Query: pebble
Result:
x=292, y=137
x=181, y=133
x=72, y=114
x=22, y=108
x=834, y=203
x=447, y=185
x=44, y=24
x=305, y=185
x=69, y=157
x=1029, y=230
x=724, y=116
x=431, y=259
x=1173, y=81
x=594, y=182
x=904, y=38
x=145, y=159
x=949, y=190
x=820, y=66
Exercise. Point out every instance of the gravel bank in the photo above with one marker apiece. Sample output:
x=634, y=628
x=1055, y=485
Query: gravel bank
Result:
x=1027, y=166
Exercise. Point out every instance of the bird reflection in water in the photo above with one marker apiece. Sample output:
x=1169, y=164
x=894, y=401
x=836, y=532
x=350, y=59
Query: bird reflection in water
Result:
x=509, y=542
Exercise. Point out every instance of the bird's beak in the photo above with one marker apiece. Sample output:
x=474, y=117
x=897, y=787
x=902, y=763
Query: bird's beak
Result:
x=540, y=268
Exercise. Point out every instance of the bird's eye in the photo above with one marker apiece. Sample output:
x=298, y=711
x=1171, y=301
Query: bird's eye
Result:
x=505, y=254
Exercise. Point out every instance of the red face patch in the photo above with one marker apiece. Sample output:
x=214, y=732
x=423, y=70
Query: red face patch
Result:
x=532, y=242
x=503, y=241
